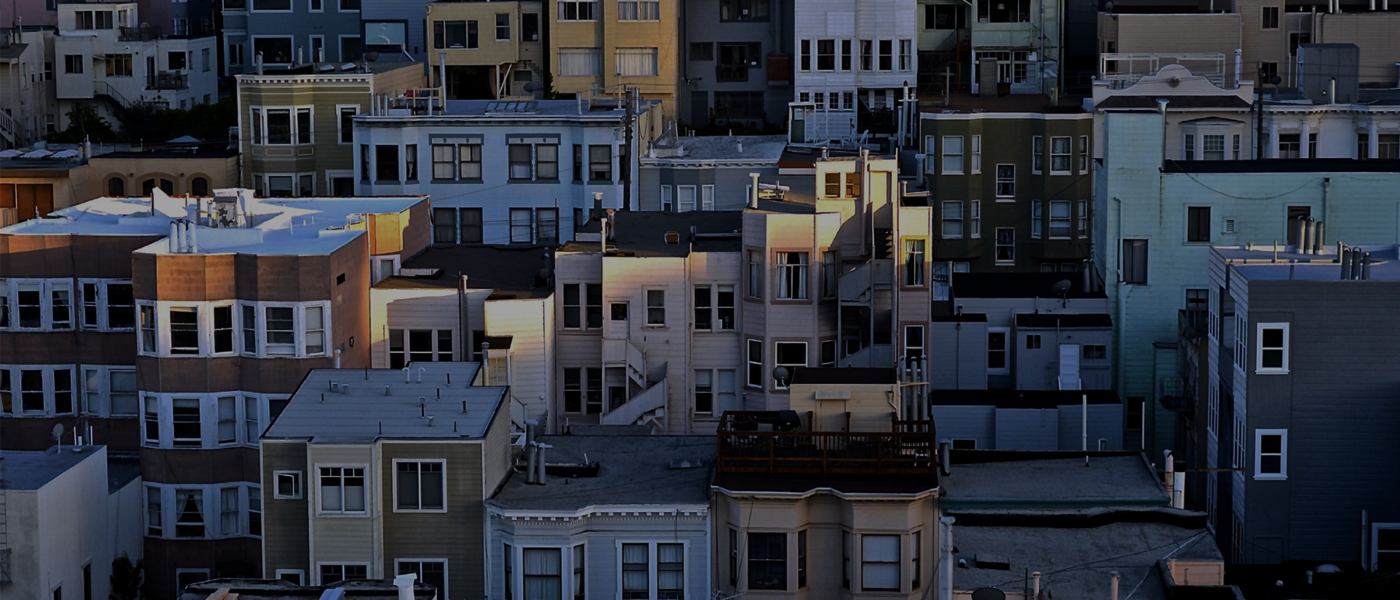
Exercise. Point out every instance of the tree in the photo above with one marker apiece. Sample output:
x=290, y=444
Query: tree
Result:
x=126, y=578
x=84, y=122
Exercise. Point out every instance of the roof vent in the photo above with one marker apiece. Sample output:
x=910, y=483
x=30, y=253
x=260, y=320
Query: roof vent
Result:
x=673, y=237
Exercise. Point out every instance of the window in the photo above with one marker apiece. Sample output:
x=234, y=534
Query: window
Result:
x=580, y=572
x=228, y=420
x=577, y=10
x=638, y=10
x=521, y=225
x=331, y=574
x=767, y=561
x=419, y=486
x=636, y=572
x=288, y=485
x=826, y=55
x=342, y=489
x=906, y=56
x=670, y=571
x=1094, y=352
x=1272, y=348
x=1014, y=11
x=1270, y=17
x=502, y=27
x=155, y=523
x=1198, y=224
x=914, y=342
x=386, y=163
x=431, y=572
x=1060, y=218
x=600, y=163
x=1037, y=155
x=547, y=226
x=1037, y=219
x=789, y=356
x=636, y=62
x=292, y=576
x=121, y=393
x=867, y=53
x=73, y=63
x=656, y=308
x=580, y=62
x=1132, y=262
x=952, y=155
x=1213, y=147
x=444, y=219
x=917, y=545
x=1271, y=454
x=702, y=51
x=1006, y=245
x=886, y=55
x=846, y=560
x=1241, y=342
x=410, y=163
x=1385, y=547
x=755, y=273
x=471, y=225
x=1235, y=146
x=1083, y=217
x=879, y=558
x=1188, y=147
x=1006, y=181
x=151, y=420
x=802, y=559
x=791, y=274
x=754, y=357
x=280, y=331
x=724, y=307
x=185, y=422
x=1388, y=146
x=543, y=573
x=914, y=261
x=189, y=513
x=119, y=65
x=1289, y=145
x=997, y=357
x=743, y=10
x=1061, y=155
x=228, y=510
x=60, y=306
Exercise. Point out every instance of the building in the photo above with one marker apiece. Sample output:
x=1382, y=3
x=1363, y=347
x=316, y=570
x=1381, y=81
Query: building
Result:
x=855, y=65
x=30, y=106
x=448, y=301
x=1157, y=218
x=31, y=188
x=189, y=344
x=597, y=54
x=1042, y=420
x=706, y=173
x=1219, y=122
x=108, y=59
x=386, y=30
x=1328, y=114
x=993, y=47
x=373, y=473
x=737, y=71
x=275, y=33
x=618, y=513
x=58, y=509
x=1291, y=407
x=298, y=123
x=488, y=51
x=194, y=172
x=1036, y=166
x=279, y=589
x=559, y=156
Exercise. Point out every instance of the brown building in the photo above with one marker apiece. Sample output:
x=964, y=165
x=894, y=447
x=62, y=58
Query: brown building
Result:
x=181, y=326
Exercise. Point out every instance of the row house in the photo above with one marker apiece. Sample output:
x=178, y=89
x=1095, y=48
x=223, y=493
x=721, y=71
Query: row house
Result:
x=685, y=173
x=1035, y=163
x=1287, y=400
x=487, y=50
x=26, y=67
x=184, y=338
x=374, y=473
x=737, y=70
x=107, y=58
x=993, y=47
x=598, y=50
x=286, y=33
x=1204, y=121
x=1157, y=218
x=561, y=159
x=1328, y=114
x=297, y=124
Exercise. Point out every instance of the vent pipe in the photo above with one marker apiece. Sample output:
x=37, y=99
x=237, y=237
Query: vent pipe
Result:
x=1366, y=266
x=753, y=191
x=1356, y=260
x=945, y=557
x=420, y=374
x=406, y=376
x=1305, y=235
x=944, y=455
x=337, y=358
x=1346, y=263
x=540, y=477
x=1113, y=585
x=173, y=242
x=531, y=456
x=1317, y=237
x=1035, y=585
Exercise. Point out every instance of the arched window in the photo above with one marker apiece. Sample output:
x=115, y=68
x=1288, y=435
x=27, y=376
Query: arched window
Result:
x=116, y=187
x=147, y=186
x=199, y=186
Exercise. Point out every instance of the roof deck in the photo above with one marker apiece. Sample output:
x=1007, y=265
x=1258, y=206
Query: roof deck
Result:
x=778, y=443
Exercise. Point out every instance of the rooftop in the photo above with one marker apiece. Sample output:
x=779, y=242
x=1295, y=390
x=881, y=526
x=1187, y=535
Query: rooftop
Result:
x=1284, y=165
x=643, y=234
x=1020, y=398
x=1067, y=320
x=844, y=375
x=378, y=403
x=931, y=105
x=487, y=111
x=270, y=226
x=277, y=589
x=512, y=271
x=30, y=471
x=744, y=148
x=1077, y=551
x=1220, y=101
x=1019, y=285
x=1005, y=479
x=632, y=469
x=203, y=151
x=1261, y=263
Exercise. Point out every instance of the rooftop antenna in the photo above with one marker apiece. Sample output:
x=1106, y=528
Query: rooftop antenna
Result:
x=1061, y=289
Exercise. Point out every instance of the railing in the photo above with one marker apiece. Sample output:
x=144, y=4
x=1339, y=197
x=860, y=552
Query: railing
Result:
x=855, y=283
x=1122, y=70
x=168, y=80
x=7, y=126
x=102, y=88
x=144, y=33
x=629, y=412
x=910, y=450
x=732, y=72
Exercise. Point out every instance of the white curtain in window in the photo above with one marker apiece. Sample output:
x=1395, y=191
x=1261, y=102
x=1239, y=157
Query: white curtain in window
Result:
x=575, y=62
x=670, y=572
x=355, y=491
x=880, y=562
x=228, y=511
x=635, y=571
x=542, y=573
x=636, y=62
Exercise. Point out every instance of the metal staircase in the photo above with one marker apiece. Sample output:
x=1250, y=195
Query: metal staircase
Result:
x=7, y=128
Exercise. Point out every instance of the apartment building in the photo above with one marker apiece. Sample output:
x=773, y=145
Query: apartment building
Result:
x=395, y=27
x=1158, y=217
x=106, y=58
x=1204, y=121
x=220, y=319
x=298, y=123
x=30, y=106
x=1286, y=405
x=1035, y=164
x=562, y=159
x=617, y=513
x=487, y=50
x=599, y=49
x=737, y=70
x=988, y=46
x=286, y=33
x=449, y=301
x=373, y=473
x=1329, y=115
x=855, y=64
x=680, y=173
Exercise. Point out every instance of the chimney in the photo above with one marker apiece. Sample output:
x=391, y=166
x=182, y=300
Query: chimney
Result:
x=1035, y=585
x=531, y=457
x=405, y=585
x=753, y=191
x=540, y=477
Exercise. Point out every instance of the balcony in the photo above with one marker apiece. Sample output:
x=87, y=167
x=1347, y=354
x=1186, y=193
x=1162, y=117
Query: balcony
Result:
x=768, y=443
x=144, y=33
x=168, y=80
x=732, y=73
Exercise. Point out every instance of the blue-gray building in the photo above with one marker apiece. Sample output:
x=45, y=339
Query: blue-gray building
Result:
x=736, y=69
x=287, y=32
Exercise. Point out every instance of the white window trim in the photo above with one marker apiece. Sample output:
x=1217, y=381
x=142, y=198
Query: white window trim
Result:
x=48, y=378
x=1375, y=550
x=749, y=362
x=1050, y=152
x=102, y=306
x=395, y=467
x=339, y=131
x=291, y=8
x=446, y=570
x=646, y=307
x=46, y=287
x=1283, y=455
x=316, y=499
x=1007, y=349
x=208, y=418
x=298, y=327
x=1259, y=368
x=369, y=572
x=943, y=170
x=212, y=509
x=301, y=485
x=301, y=575
x=104, y=389
x=806, y=361
x=653, y=561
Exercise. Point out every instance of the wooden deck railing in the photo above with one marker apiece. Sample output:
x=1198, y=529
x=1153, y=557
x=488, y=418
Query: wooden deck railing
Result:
x=911, y=448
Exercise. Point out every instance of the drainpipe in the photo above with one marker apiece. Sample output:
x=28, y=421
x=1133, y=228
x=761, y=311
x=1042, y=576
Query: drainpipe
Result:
x=945, y=576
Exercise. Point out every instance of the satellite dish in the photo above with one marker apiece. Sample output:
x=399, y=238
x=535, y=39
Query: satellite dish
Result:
x=1275, y=80
x=1062, y=287
x=371, y=56
x=530, y=87
x=781, y=374
x=988, y=594
x=57, y=432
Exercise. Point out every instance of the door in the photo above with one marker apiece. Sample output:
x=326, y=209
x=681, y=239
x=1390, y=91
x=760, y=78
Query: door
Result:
x=1069, y=367
x=699, y=109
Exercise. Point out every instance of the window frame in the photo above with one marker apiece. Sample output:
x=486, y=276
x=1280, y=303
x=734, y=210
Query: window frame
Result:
x=749, y=559
x=1260, y=349
x=319, y=507
x=1006, y=350
x=866, y=562
x=798, y=290
x=419, y=461
x=1006, y=185
x=1259, y=454
x=297, y=476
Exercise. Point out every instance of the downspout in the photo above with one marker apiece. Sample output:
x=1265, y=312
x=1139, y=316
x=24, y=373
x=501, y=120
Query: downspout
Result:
x=945, y=575
x=1122, y=302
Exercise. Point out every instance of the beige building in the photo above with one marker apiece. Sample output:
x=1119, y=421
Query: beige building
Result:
x=176, y=173
x=487, y=50
x=296, y=125
x=615, y=45
x=1219, y=121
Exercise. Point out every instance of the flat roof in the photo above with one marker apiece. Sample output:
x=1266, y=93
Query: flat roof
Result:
x=1077, y=550
x=1019, y=285
x=366, y=413
x=1026, y=479
x=30, y=471
x=487, y=111
x=1069, y=320
x=1021, y=398
x=277, y=589
x=1284, y=165
x=643, y=234
x=510, y=270
x=844, y=375
x=1259, y=264
x=632, y=470
x=215, y=149
x=276, y=226
x=931, y=105
x=742, y=148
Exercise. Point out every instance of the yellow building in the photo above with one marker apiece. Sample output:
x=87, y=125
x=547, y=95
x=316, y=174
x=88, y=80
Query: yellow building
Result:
x=609, y=45
x=491, y=50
